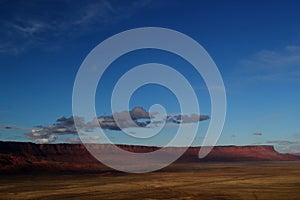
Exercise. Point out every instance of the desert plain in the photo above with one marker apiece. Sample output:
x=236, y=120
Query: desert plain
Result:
x=213, y=180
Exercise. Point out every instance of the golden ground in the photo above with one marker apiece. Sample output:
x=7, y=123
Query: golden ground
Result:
x=252, y=180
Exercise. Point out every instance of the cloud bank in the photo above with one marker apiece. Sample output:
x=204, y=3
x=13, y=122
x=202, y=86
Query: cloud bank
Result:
x=137, y=117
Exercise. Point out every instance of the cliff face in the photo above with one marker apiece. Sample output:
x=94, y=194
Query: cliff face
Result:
x=18, y=156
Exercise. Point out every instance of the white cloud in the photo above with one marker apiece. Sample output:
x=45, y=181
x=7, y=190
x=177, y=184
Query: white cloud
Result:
x=74, y=140
x=286, y=146
x=50, y=139
x=272, y=65
x=293, y=48
x=265, y=59
x=282, y=142
x=31, y=26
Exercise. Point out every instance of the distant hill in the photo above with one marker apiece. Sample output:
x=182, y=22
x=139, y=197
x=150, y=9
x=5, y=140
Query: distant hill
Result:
x=30, y=157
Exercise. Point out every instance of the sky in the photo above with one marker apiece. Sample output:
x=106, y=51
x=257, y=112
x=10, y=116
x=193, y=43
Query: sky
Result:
x=255, y=45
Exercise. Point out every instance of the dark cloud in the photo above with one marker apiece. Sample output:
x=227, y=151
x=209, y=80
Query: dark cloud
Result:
x=139, y=113
x=137, y=117
x=257, y=133
x=66, y=125
x=15, y=127
x=125, y=119
x=178, y=119
x=63, y=121
x=48, y=134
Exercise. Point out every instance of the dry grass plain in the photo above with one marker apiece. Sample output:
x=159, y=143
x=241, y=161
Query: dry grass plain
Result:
x=252, y=180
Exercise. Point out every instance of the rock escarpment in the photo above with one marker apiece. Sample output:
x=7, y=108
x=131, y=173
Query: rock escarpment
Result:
x=30, y=157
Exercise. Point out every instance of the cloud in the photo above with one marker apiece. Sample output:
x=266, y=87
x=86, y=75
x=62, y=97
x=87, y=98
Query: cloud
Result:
x=48, y=134
x=282, y=142
x=293, y=48
x=178, y=119
x=29, y=28
x=19, y=34
x=266, y=59
x=257, y=133
x=94, y=137
x=77, y=140
x=66, y=126
x=137, y=117
x=139, y=113
x=296, y=135
x=271, y=65
x=25, y=25
x=286, y=146
x=49, y=139
x=15, y=127
x=74, y=140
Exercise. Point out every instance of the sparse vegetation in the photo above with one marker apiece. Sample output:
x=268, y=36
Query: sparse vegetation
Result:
x=248, y=180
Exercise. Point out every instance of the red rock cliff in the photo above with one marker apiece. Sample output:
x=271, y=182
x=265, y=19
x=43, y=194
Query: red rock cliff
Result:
x=18, y=156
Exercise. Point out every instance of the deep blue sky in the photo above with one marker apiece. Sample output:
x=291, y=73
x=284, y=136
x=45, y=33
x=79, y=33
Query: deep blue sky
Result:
x=255, y=44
